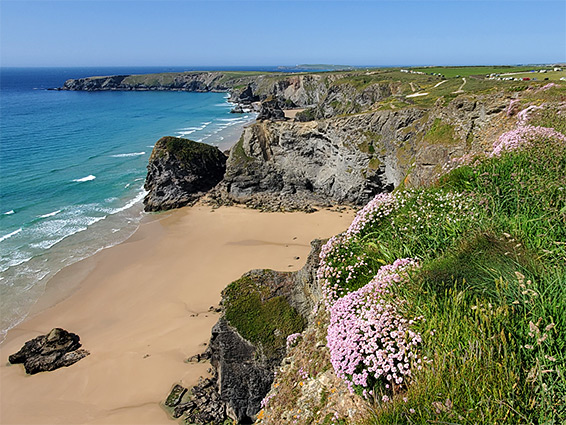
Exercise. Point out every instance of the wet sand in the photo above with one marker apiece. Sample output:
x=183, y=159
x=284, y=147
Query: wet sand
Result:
x=141, y=309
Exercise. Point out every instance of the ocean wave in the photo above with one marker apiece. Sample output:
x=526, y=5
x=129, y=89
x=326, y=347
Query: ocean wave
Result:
x=185, y=133
x=77, y=227
x=126, y=155
x=51, y=214
x=138, y=198
x=48, y=243
x=9, y=235
x=16, y=260
x=231, y=119
x=85, y=179
x=9, y=212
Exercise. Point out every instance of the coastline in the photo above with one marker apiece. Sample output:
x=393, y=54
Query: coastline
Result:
x=107, y=231
x=142, y=308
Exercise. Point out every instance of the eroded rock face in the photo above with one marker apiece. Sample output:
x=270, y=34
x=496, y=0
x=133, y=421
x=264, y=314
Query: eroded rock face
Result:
x=243, y=371
x=290, y=165
x=180, y=171
x=58, y=348
x=270, y=109
x=348, y=160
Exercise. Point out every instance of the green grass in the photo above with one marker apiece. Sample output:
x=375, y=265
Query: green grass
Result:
x=259, y=317
x=550, y=118
x=186, y=150
x=491, y=289
x=467, y=71
x=440, y=133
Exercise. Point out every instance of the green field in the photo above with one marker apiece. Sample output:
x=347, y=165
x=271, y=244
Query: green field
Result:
x=466, y=71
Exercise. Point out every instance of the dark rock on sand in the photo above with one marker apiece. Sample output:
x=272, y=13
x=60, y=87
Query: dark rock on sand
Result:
x=180, y=171
x=58, y=348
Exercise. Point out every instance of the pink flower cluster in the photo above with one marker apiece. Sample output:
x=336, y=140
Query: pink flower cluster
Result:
x=523, y=137
x=512, y=107
x=368, y=338
x=523, y=116
x=379, y=207
x=548, y=86
x=293, y=340
x=338, y=266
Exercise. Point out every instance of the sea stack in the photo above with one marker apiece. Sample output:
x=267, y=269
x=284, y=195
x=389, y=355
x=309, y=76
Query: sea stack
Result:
x=180, y=171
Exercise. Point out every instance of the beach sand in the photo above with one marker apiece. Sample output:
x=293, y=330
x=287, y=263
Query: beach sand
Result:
x=142, y=308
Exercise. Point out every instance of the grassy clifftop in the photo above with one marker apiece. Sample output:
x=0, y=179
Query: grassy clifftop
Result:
x=446, y=303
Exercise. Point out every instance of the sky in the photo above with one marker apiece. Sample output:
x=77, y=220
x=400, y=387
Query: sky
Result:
x=248, y=33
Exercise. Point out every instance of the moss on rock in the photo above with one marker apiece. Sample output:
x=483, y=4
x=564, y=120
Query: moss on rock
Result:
x=259, y=317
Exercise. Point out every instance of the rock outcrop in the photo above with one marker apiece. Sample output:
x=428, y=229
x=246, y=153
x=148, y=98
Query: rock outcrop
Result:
x=58, y=348
x=348, y=160
x=270, y=109
x=186, y=81
x=180, y=171
x=243, y=360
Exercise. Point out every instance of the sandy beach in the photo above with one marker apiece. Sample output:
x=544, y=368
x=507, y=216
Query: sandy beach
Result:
x=142, y=308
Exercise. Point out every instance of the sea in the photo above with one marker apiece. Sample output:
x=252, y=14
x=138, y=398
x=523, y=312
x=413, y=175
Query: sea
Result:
x=73, y=165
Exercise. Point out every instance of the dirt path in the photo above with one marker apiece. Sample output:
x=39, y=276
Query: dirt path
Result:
x=461, y=89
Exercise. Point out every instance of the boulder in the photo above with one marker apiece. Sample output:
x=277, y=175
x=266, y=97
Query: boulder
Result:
x=58, y=348
x=180, y=171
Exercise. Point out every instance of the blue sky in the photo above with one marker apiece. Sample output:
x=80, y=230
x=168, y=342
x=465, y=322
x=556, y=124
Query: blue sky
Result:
x=238, y=33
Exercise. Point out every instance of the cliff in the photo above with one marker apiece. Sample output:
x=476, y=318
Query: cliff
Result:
x=248, y=343
x=180, y=171
x=285, y=165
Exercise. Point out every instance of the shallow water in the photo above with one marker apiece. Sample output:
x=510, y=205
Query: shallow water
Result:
x=72, y=168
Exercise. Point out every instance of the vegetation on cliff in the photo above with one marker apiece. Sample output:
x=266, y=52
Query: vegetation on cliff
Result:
x=460, y=284
x=261, y=318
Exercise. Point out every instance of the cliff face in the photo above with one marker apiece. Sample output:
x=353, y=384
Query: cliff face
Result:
x=189, y=81
x=248, y=343
x=180, y=171
x=293, y=165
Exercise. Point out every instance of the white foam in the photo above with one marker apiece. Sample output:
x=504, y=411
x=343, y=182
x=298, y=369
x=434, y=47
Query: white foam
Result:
x=9, y=235
x=126, y=155
x=9, y=212
x=16, y=261
x=46, y=244
x=51, y=214
x=85, y=179
x=185, y=133
x=138, y=198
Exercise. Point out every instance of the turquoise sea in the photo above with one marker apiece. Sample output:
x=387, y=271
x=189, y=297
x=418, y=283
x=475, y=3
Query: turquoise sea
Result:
x=72, y=168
